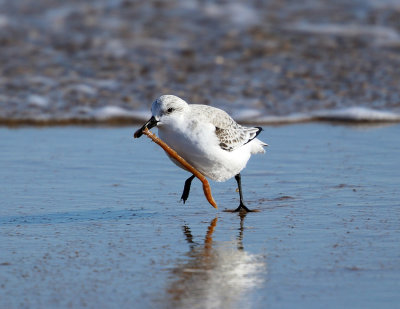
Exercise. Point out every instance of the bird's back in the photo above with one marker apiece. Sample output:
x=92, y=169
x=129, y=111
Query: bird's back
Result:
x=230, y=134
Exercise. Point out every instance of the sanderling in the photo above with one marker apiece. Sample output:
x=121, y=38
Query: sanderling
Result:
x=207, y=138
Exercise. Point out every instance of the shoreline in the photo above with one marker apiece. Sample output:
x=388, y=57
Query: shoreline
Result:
x=126, y=122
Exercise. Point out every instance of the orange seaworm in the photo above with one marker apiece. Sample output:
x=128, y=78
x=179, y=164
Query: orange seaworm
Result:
x=183, y=162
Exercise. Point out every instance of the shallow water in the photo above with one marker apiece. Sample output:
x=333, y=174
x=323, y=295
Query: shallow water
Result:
x=91, y=217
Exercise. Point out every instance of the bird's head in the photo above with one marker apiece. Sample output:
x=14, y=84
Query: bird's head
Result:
x=166, y=109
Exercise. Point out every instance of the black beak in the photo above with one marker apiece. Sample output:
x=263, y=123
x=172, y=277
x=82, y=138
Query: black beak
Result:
x=149, y=124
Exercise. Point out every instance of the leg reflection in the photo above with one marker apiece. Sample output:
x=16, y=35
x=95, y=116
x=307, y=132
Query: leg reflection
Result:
x=242, y=215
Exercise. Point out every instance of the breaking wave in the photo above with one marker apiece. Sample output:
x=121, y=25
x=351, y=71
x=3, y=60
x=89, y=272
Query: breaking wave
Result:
x=121, y=116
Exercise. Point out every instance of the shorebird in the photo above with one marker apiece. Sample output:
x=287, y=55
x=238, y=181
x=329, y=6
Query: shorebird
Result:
x=207, y=138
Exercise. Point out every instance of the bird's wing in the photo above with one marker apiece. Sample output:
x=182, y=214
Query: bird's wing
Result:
x=230, y=134
x=235, y=137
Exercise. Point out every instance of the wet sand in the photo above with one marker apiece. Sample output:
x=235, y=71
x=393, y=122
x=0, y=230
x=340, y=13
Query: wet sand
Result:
x=90, y=217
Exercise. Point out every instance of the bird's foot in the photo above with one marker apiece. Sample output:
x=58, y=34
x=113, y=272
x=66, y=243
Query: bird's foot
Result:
x=242, y=208
x=184, y=198
x=185, y=194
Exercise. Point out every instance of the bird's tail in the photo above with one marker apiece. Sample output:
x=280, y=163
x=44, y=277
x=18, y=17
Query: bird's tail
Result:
x=257, y=146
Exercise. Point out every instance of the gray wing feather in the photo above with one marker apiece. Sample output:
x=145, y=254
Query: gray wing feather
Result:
x=230, y=134
x=235, y=137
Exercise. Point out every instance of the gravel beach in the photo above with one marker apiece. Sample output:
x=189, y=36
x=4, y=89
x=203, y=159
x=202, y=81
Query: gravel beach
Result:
x=107, y=60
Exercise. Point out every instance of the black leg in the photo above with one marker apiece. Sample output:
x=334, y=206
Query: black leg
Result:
x=186, y=189
x=241, y=207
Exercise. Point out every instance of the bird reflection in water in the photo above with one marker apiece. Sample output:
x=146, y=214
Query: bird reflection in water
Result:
x=216, y=274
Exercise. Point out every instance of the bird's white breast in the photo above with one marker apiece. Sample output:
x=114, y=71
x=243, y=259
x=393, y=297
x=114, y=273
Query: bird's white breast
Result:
x=198, y=144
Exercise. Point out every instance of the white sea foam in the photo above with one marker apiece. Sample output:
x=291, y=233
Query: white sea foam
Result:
x=357, y=114
x=350, y=114
x=110, y=112
x=383, y=4
x=82, y=89
x=37, y=100
x=381, y=35
x=237, y=13
x=245, y=115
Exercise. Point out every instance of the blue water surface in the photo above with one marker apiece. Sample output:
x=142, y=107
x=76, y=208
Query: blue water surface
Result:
x=90, y=217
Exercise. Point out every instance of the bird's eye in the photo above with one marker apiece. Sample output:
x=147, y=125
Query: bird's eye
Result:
x=170, y=110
